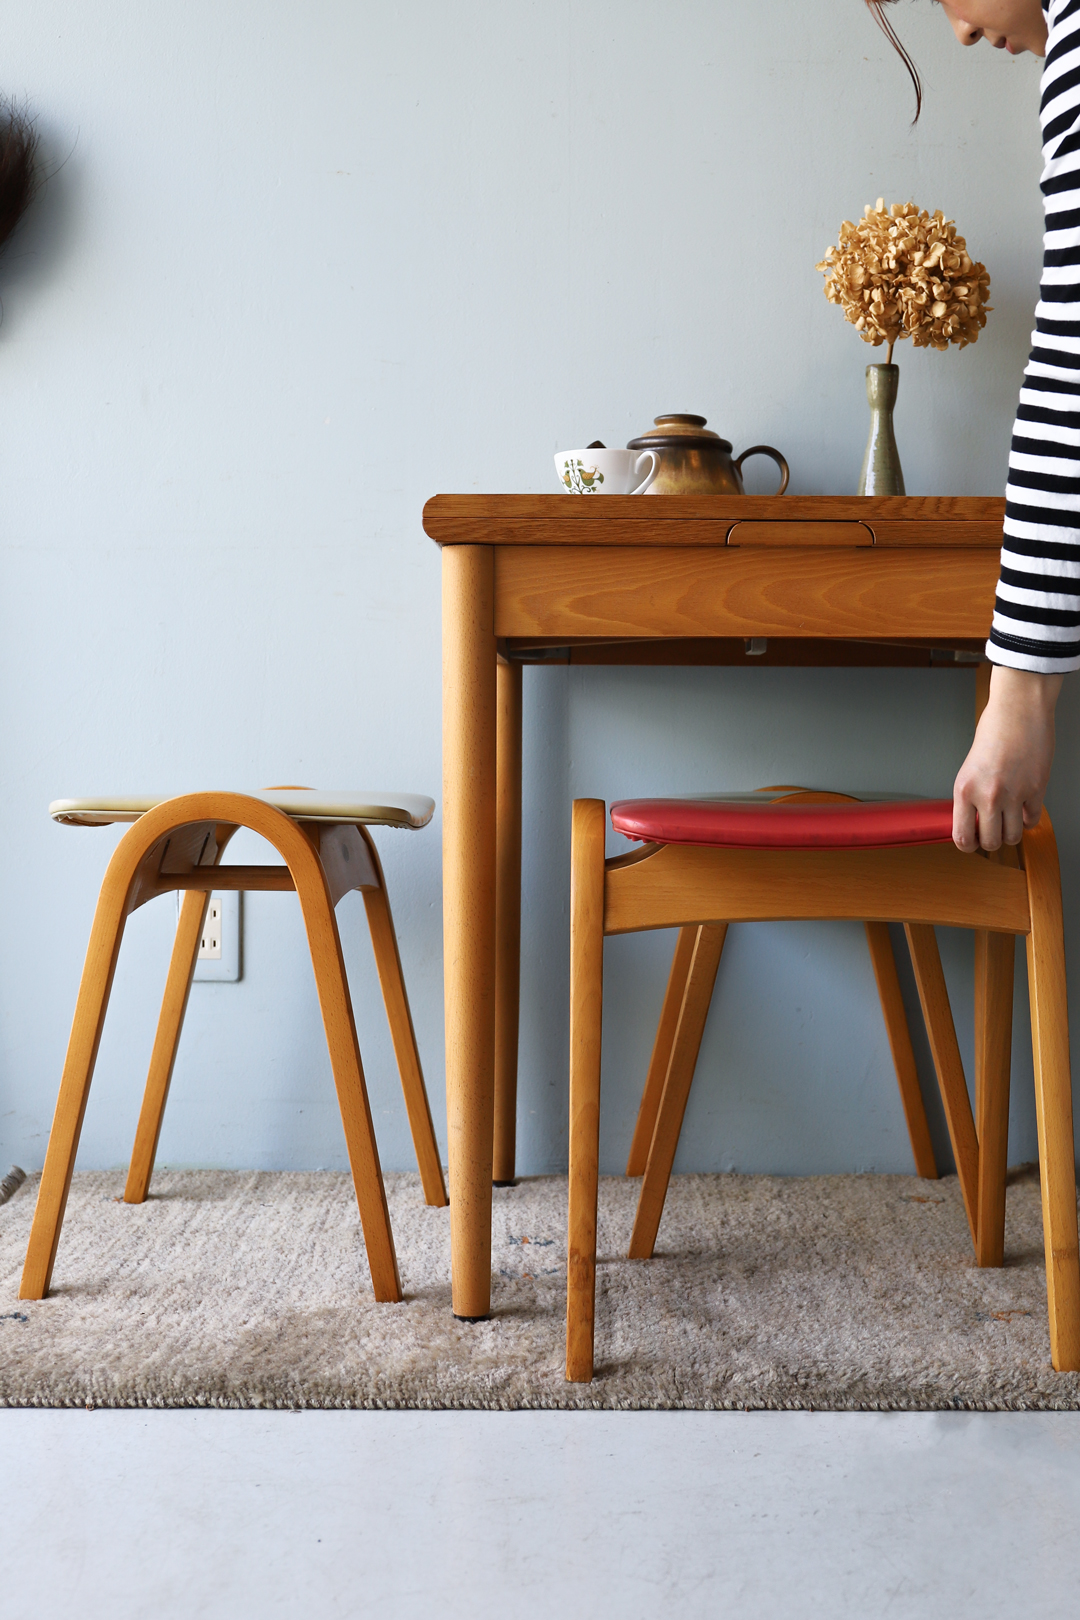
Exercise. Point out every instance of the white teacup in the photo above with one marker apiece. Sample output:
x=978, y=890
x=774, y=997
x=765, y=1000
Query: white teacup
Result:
x=605, y=472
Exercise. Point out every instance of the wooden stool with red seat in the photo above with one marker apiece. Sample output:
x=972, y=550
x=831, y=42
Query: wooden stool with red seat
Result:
x=789, y=854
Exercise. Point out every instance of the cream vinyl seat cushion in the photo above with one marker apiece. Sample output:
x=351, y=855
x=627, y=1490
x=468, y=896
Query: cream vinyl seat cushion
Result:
x=375, y=809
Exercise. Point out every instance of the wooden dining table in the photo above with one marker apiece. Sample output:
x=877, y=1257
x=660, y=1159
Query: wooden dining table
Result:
x=900, y=581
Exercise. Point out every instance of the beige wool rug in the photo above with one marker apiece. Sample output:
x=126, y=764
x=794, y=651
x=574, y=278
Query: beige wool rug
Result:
x=251, y=1290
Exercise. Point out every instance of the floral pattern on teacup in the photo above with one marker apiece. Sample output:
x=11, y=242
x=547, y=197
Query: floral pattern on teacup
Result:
x=581, y=480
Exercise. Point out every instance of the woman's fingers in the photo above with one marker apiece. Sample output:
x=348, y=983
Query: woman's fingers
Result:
x=989, y=828
x=993, y=822
x=964, y=825
x=1012, y=823
x=1032, y=811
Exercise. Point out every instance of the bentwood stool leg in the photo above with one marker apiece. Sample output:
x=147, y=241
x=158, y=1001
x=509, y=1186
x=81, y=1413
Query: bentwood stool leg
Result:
x=994, y=960
x=934, y=998
x=507, y=919
x=90, y=1009
x=896, y=1024
x=684, y=1055
x=1053, y=1093
x=645, y=1125
x=586, y=1012
x=399, y=1014
x=163, y=1058
x=337, y=1013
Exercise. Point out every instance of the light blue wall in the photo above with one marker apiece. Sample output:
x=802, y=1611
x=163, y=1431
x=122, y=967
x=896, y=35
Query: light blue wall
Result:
x=301, y=264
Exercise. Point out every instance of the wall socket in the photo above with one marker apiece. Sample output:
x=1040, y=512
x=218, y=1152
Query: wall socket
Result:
x=218, y=960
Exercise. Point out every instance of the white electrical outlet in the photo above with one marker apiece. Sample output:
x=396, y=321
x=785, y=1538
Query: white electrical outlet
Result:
x=219, y=949
x=210, y=944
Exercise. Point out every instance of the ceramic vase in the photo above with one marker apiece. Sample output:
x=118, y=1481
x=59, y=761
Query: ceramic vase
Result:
x=881, y=474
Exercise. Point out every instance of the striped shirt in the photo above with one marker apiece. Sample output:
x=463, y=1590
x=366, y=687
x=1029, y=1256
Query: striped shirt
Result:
x=1036, y=622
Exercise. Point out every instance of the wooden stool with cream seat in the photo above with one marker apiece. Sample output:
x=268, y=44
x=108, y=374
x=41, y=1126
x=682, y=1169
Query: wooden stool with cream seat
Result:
x=177, y=844
x=788, y=854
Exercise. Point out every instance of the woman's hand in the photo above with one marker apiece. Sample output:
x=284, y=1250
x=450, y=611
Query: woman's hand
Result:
x=1004, y=777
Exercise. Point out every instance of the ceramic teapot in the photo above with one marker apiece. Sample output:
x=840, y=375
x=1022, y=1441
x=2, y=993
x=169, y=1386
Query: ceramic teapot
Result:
x=694, y=461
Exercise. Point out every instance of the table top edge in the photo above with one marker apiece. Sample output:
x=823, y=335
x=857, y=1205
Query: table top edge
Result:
x=452, y=519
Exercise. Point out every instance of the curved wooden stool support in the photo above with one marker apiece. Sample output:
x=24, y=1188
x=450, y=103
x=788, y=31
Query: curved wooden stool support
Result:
x=178, y=845
x=399, y=1016
x=185, y=953
x=892, y=1008
x=693, y=885
x=94, y=988
x=700, y=980
x=995, y=956
x=670, y=1013
x=937, y=1015
x=883, y=959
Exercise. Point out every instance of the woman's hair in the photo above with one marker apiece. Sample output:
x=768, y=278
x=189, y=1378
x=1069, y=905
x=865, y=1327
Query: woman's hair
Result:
x=18, y=175
x=901, y=50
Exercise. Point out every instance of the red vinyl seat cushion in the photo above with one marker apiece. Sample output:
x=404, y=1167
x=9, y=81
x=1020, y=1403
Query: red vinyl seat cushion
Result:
x=744, y=822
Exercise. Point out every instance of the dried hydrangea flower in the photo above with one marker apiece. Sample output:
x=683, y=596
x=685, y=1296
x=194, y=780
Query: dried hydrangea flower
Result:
x=904, y=273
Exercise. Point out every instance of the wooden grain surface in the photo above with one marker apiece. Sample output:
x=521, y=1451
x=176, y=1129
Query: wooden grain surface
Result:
x=507, y=919
x=636, y=591
x=500, y=520
x=778, y=533
x=994, y=961
x=1048, y=998
x=469, y=800
x=896, y=1026
x=588, y=827
x=166, y=1040
x=649, y=1106
x=938, y=532
x=941, y=1033
x=403, y=1035
x=672, y=885
x=697, y=999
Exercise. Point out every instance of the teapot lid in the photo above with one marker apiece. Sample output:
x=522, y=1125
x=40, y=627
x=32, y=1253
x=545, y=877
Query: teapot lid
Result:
x=678, y=429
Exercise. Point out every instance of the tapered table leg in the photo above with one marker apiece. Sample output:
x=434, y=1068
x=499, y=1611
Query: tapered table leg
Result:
x=469, y=752
x=507, y=920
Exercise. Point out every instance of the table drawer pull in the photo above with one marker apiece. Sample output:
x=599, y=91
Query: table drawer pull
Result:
x=800, y=534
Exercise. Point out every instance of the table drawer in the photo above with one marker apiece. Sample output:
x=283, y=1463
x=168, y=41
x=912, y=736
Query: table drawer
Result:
x=800, y=534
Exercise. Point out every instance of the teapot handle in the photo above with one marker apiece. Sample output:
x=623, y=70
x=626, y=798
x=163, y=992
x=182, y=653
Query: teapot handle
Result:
x=767, y=450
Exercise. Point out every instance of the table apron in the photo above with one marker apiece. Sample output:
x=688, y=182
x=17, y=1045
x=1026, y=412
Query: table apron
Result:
x=928, y=593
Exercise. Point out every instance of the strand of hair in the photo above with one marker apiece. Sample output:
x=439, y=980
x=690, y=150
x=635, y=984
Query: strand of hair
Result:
x=900, y=48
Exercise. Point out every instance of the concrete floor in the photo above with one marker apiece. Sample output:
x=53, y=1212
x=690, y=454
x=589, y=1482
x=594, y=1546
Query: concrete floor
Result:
x=472, y=1515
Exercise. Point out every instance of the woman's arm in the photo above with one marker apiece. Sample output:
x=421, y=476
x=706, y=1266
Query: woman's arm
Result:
x=1035, y=636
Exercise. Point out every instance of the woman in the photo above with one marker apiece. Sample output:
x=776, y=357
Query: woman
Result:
x=1035, y=637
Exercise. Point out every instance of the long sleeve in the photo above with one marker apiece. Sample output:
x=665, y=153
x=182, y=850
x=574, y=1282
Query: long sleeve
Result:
x=1036, y=622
